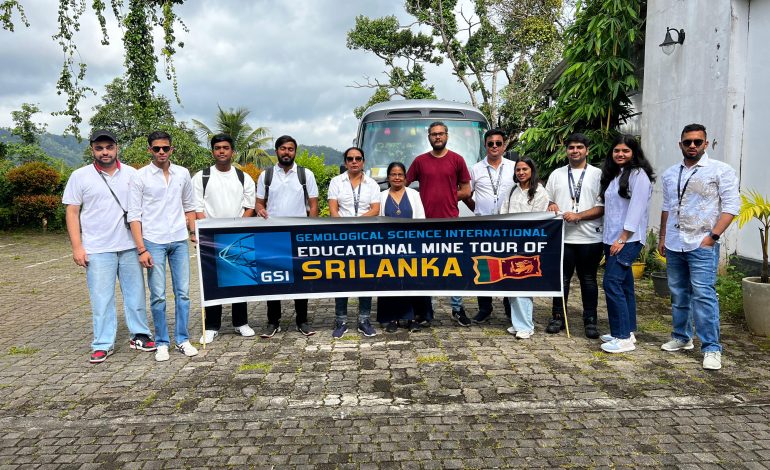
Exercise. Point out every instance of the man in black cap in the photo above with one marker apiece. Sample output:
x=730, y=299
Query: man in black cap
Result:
x=97, y=198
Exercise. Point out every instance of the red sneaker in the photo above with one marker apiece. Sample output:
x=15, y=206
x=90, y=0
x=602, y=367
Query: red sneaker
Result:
x=99, y=356
x=142, y=342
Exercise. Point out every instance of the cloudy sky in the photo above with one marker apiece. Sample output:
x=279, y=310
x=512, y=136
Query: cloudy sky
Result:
x=285, y=61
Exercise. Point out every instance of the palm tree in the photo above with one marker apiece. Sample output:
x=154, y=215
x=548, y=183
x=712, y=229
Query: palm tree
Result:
x=248, y=141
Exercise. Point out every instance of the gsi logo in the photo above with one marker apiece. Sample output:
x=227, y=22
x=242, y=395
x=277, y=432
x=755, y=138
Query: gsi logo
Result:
x=269, y=277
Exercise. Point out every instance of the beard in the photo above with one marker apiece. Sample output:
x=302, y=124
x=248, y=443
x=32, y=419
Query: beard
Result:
x=282, y=161
x=437, y=147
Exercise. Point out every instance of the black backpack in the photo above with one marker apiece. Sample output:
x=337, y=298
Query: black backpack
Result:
x=300, y=175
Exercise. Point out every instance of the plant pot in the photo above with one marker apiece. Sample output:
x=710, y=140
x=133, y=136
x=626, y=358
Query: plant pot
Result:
x=638, y=269
x=660, y=283
x=756, y=299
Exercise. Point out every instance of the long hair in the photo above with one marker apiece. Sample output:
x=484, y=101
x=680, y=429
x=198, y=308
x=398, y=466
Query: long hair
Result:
x=610, y=169
x=534, y=181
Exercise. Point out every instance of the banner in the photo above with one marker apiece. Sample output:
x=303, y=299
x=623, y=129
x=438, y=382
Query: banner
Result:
x=250, y=259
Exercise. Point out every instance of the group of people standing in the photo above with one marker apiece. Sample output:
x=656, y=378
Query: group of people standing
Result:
x=120, y=219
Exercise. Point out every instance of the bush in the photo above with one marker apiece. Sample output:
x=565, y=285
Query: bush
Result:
x=323, y=174
x=33, y=178
x=251, y=170
x=35, y=208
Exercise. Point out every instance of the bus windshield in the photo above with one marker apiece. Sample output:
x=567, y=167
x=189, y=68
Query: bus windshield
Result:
x=389, y=141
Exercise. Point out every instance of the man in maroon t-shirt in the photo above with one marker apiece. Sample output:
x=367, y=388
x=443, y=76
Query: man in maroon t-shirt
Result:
x=444, y=180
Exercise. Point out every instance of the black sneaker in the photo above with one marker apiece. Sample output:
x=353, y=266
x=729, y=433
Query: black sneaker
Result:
x=555, y=325
x=460, y=317
x=421, y=321
x=413, y=326
x=366, y=329
x=305, y=329
x=591, y=331
x=270, y=331
x=482, y=317
x=142, y=342
x=391, y=327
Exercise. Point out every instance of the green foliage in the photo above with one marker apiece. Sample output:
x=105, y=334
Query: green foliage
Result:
x=24, y=128
x=730, y=293
x=323, y=174
x=188, y=153
x=592, y=94
x=33, y=208
x=754, y=206
x=121, y=114
x=33, y=178
x=249, y=142
x=6, y=13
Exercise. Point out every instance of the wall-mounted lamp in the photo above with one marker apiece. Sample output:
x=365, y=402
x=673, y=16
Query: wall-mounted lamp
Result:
x=669, y=44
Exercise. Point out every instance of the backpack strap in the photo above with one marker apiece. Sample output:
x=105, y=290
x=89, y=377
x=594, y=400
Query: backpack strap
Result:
x=206, y=176
x=303, y=181
x=241, y=178
x=268, y=181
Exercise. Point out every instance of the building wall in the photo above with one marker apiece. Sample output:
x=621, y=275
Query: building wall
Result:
x=708, y=80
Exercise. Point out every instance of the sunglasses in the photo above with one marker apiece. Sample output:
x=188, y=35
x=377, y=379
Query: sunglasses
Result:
x=354, y=159
x=689, y=142
x=158, y=148
x=494, y=143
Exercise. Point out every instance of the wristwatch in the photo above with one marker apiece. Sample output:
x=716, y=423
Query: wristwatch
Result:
x=714, y=236
x=622, y=242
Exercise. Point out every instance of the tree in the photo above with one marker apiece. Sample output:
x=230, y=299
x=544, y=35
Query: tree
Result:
x=187, y=151
x=140, y=21
x=249, y=142
x=499, y=39
x=125, y=118
x=27, y=149
x=592, y=94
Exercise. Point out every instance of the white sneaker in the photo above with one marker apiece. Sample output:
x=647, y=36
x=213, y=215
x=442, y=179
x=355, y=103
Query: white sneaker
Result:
x=209, y=336
x=244, y=330
x=618, y=346
x=712, y=360
x=524, y=334
x=511, y=330
x=609, y=338
x=676, y=345
x=161, y=354
x=187, y=349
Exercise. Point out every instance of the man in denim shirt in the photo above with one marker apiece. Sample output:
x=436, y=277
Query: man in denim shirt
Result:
x=700, y=199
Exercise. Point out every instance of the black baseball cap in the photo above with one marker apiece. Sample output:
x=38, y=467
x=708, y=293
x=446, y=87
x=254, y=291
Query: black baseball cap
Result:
x=102, y=134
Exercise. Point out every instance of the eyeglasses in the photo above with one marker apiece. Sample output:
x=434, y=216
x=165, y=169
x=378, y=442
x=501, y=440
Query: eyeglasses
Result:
x=158, y=148
x=689, y=142
x=434, y=135
x=354, y=159
x=396, y=175
x=494, y=143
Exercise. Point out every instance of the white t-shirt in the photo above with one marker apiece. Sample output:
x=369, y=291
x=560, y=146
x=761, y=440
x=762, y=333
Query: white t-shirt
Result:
x=485, y=179
x=367, y=192
x=101, y=218
x=558, y=189
x=225, y=196
x=286, y=197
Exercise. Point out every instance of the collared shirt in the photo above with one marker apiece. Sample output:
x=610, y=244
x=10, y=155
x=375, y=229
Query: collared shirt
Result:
x=517, y=200
x=558, y=188
x=707, y=189
x=491, y=185
x=286, y=197
x=627, y=214
x=367, y=192
x=161, y=205
x=225, y=196
x=103, y=229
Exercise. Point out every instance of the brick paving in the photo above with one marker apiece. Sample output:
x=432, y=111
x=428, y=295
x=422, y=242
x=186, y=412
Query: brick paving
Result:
x=448, y=397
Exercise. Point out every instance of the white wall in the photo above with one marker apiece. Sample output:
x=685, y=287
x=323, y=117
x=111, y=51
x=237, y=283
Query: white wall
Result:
x=703, y=81
x=755, y=173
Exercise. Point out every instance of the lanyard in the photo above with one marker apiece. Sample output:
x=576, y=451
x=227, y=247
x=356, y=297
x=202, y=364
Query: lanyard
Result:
x=680, y=190
x=356, y=198
x=574, y=190
x=495, y=186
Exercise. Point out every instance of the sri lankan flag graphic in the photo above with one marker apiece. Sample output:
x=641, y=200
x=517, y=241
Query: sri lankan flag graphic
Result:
x=490, y=269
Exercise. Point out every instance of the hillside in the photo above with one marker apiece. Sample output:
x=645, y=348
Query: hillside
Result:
x=65, y=148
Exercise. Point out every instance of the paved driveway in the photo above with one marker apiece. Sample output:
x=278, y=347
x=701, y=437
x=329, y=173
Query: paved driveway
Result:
x=448, y=397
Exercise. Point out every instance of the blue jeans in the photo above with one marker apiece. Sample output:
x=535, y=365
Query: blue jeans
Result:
x=692, y=277
x=178, y=256
x=341, y=309
x=456, y=302
x=102, y=270
x=619, y=289
x=521, y=313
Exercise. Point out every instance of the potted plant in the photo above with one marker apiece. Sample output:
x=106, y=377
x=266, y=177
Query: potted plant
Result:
x=756, y=290
x=637, y=267
x=659, y=275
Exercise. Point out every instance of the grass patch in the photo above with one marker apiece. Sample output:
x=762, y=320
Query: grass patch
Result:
x=730, y=294
x=494, y=332
x=350, y=337
x=258, y=366
x=24, y=350
x=654, y=326
x=432, y=359
x=148, y=401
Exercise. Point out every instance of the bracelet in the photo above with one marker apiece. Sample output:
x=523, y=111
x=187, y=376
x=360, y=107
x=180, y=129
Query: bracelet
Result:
x=142, y=252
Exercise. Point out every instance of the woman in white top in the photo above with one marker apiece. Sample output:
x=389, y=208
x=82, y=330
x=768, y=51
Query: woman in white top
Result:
x=527, y=196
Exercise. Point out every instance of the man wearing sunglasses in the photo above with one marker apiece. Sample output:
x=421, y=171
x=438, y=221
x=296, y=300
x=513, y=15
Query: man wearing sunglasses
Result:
x=700, y=200
x=223, y=191
x=161, y=210
x=444, y=180
x=491, y=181
x=96, y=197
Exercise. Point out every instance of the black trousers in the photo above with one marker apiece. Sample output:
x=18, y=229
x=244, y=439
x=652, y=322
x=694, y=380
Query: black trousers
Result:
x=485, y=305
x=274, y=311
x=583, y=258
x=214, y=316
